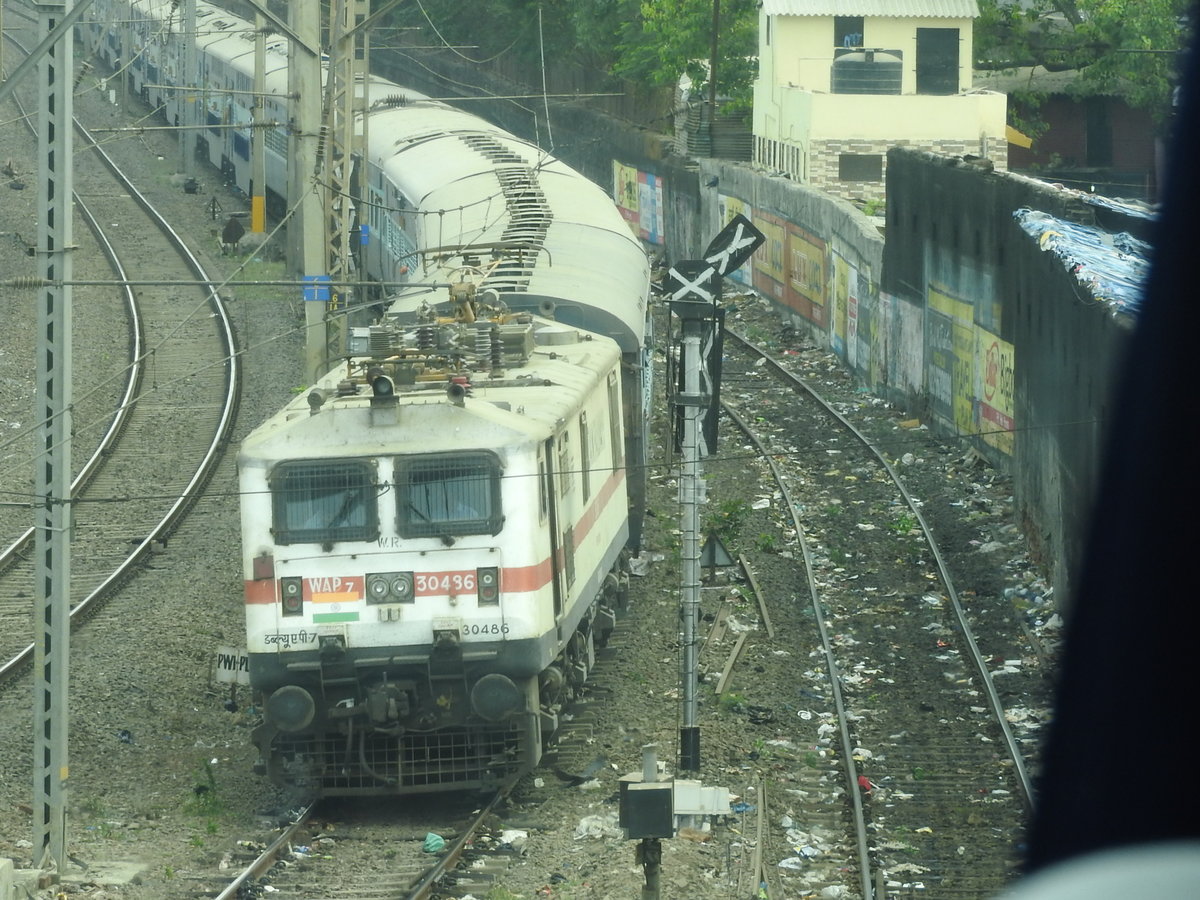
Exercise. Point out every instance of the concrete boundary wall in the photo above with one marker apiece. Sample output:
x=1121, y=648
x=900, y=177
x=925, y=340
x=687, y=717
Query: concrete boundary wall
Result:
x=1023, y=353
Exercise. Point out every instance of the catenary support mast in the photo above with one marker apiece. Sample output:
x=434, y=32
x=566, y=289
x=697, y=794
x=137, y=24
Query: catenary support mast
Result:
x=52, y=465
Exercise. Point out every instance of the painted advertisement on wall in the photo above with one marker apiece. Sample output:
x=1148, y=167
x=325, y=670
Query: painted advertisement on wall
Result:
x=839, y=300
x=639, y=197
x=727, y=209
x=969, y=372
x=861, y=344
x=996, y=390
x=808, y=270
x=950, y=332
x=769, y=275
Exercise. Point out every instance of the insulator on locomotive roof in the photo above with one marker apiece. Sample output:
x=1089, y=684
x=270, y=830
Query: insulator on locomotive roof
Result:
x=483, y=345
x=426, y=337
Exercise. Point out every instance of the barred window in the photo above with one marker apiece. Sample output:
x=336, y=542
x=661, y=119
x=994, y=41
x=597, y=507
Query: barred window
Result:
x=448, y=494
x=324, y=502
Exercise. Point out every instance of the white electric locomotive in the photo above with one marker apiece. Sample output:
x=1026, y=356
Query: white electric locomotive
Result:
x=433, y=541
x=434, y=535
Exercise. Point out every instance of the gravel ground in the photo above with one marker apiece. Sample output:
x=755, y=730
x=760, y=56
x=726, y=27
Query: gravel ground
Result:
x=161, y=770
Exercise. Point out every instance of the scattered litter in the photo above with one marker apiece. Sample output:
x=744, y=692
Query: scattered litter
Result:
x=597, y=827
x=434, y=843
x=514, y=838
x=640, y=564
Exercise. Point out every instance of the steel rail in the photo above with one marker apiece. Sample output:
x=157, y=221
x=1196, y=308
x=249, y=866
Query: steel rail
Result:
x=211, y=457
x=267, y=858
x=831, y=666
x=997, y=707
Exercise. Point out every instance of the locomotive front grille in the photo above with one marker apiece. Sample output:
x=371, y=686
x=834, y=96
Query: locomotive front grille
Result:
x=415, y=763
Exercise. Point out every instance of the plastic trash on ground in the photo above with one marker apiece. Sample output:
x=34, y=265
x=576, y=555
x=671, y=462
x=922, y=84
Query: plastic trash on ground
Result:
x=434, y=843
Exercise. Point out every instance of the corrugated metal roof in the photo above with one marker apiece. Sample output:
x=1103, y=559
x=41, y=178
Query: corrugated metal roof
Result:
x=902, y=9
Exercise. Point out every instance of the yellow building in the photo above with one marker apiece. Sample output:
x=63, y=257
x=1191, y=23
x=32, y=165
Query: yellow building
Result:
x=841, y=81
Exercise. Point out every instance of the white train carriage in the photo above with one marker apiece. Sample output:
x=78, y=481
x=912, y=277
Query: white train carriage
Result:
x=432, y=545
x=442, y=178
x=439, y=177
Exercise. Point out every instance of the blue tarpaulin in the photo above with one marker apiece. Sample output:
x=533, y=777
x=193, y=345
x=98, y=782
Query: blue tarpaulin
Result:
x=1112, y=266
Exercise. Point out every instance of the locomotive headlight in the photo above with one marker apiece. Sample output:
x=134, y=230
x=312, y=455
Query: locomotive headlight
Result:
x=390, y=587
x=377, y=589
x=291, y=592
x=402, y=587
x=488, y=581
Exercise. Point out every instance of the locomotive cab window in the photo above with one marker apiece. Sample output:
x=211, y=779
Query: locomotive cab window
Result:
x=324, y=502
x=448, y=494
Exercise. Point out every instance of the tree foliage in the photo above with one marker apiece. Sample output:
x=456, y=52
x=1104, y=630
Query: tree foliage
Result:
x=1125, y=47
x=670, y=38
x=652, y=42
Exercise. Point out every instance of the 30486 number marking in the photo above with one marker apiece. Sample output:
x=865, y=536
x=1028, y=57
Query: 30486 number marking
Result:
x=444, y=583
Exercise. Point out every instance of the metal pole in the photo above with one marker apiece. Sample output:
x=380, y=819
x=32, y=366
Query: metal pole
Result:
x=712, y=78
x=185, y=100
x=258, y=154
x=649, y=852
x=306, y=231
x=690, y=488
x=123, y=66
x=52, y=466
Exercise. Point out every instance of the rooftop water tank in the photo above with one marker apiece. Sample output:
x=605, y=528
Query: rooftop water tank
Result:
x=867, y=72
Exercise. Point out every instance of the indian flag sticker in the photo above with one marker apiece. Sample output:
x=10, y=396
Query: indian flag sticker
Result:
x=335, y=599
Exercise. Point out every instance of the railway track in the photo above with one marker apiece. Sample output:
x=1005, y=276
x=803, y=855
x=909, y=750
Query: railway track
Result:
x=147, y=461
x=439, y=847
x=914, y=713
